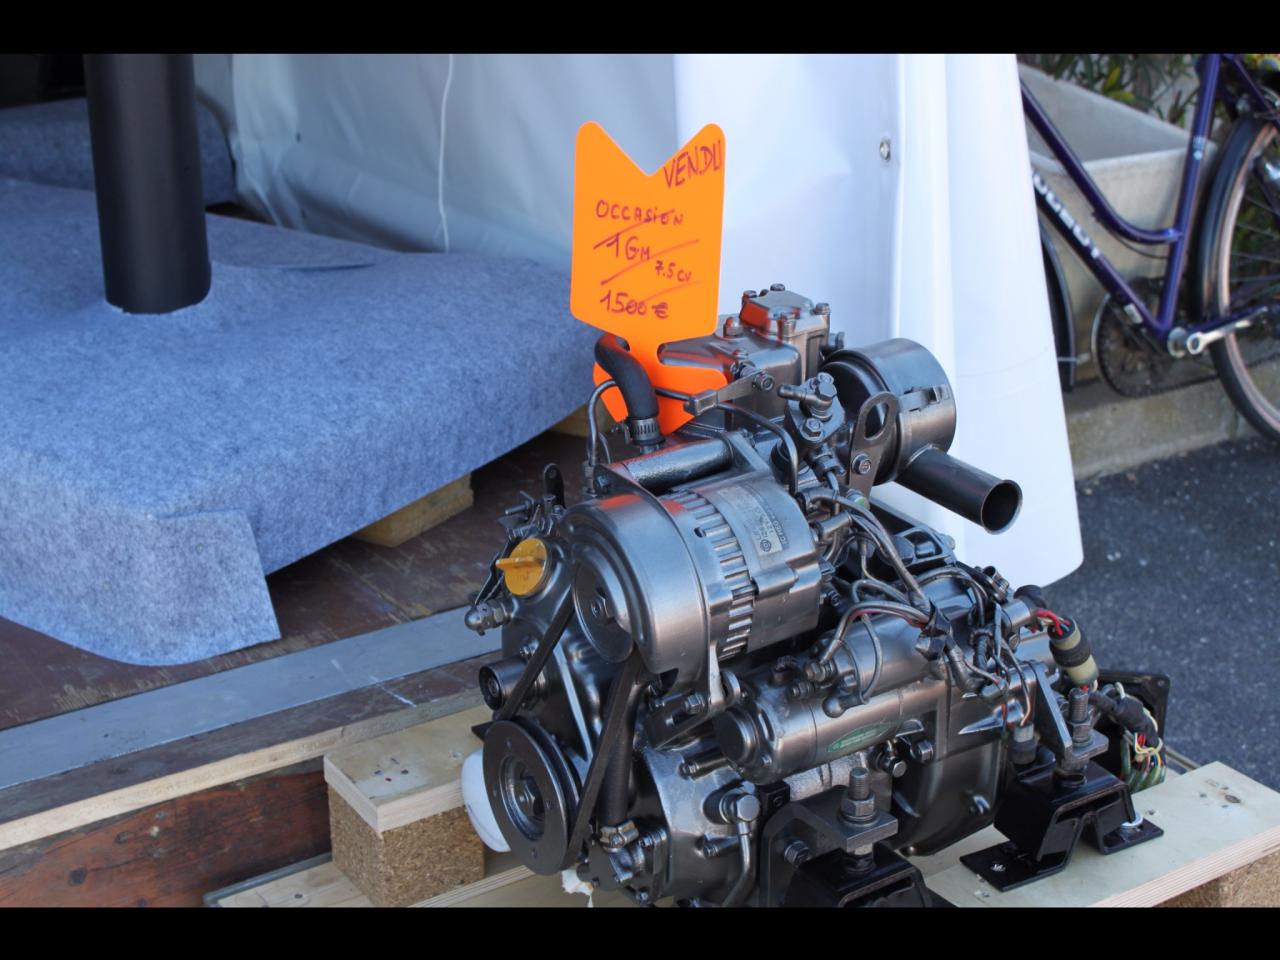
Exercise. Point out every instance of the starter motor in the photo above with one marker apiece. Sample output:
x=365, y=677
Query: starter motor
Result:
x=730, y=677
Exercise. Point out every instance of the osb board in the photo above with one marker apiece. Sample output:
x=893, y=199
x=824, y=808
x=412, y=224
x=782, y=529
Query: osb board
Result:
x=506, y=884
x=419, y=516
x=408, y=864
x=170, y=853
x=407, y=775
x=1257, y=885
x=345, y=589
x=1215, y=820
x=325, y=885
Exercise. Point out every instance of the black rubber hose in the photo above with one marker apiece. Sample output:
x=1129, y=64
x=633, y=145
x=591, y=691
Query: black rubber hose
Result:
x=630, y=376
x=615, y=792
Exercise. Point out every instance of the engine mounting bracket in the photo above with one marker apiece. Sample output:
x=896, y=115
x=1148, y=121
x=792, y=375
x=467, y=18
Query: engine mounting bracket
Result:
x=1044, y=815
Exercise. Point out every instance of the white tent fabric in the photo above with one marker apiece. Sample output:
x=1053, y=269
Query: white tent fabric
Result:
x=936, y=241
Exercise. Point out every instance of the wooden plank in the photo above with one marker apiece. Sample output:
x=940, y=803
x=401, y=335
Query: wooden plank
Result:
x=51, y=806
x=421, y=515
x=168, y=854
x=1215, y=821
x=408, y=775
x=51, y=746
x=324, y=885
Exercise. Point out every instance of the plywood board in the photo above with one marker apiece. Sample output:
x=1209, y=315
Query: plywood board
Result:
x=506, y=884
x=324, y=885
x=1215, y=821
x=407, y=775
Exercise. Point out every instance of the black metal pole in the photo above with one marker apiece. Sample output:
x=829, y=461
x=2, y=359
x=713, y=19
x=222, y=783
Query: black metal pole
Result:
x=146, y=167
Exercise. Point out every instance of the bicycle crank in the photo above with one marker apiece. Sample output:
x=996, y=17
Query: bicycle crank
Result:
x=1181, y=342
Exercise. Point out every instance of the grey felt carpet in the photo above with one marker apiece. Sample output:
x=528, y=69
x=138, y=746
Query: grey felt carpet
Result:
x=155, y=468
x=49, y=143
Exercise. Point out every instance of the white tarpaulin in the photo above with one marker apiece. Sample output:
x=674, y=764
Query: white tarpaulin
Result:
x=896, y=188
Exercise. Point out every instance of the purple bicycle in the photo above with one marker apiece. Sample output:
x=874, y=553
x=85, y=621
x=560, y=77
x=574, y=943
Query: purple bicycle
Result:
x=1225, y=240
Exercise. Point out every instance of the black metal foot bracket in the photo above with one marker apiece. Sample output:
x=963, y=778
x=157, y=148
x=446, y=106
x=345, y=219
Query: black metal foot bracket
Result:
x=838, y=879
x=1044, y=815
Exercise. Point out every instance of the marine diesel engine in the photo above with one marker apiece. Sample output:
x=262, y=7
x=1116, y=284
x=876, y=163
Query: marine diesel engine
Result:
x=730, y=677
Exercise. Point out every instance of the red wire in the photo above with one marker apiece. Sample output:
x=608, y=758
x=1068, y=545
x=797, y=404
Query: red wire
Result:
x=1057, y=620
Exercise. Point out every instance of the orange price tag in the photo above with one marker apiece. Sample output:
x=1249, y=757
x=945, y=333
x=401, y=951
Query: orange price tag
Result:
x=646, y=255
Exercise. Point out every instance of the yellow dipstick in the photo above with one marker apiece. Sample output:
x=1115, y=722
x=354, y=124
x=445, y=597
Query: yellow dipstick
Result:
x=524, y=570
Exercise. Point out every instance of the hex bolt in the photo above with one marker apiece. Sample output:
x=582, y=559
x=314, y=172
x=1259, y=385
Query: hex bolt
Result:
x=1079, y=706
x=776, y=287
x=813, y=427
x=694, y=703
x=748, y=295
x=746, y=808
x=858, y=804
x=922, y=751
x=1078, y=713
x=861, y=464
x=892, y=764
x=739, y=807
x=799, y=690
x=817, y=672
x=859, y=783
x=796, y=852
x=822, y=309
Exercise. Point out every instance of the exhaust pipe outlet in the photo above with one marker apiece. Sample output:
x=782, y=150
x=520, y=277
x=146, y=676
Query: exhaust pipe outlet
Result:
x=974, y=494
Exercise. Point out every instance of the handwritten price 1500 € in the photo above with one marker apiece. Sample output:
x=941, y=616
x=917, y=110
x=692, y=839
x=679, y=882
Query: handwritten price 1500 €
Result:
x=622, y=302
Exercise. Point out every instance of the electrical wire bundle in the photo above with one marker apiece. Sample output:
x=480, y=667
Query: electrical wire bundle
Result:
x=1141, y=763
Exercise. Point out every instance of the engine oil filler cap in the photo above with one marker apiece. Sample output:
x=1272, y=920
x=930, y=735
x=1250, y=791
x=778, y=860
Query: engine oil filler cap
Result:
x=525, y=569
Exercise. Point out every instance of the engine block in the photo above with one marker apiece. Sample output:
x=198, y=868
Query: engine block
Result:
x=730, y=677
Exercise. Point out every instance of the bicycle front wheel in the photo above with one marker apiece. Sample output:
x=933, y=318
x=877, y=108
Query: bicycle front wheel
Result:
x=1240, y=268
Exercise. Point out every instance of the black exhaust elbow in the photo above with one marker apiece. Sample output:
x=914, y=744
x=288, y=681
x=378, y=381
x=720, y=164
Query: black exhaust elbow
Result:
x=991, y=503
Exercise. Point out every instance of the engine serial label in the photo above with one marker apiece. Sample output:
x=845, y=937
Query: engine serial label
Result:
x=863, y=735
x=762, y=525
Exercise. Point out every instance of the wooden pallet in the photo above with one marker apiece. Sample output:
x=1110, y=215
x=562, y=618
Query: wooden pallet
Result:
x=1218, y=823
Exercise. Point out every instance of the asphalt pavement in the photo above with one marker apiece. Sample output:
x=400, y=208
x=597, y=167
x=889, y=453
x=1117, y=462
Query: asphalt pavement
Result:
x=1181, y=576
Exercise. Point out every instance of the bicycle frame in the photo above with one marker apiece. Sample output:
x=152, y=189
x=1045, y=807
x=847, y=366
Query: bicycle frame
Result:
x=1177, y=236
